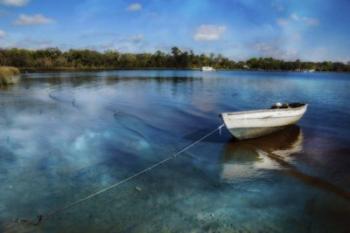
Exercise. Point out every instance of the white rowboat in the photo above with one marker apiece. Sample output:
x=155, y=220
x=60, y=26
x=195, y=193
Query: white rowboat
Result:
x=256, y=123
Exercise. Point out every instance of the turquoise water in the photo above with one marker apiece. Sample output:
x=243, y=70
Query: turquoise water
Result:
x=66, y=135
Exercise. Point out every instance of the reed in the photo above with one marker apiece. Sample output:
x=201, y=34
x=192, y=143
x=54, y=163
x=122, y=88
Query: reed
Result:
x=8, y=75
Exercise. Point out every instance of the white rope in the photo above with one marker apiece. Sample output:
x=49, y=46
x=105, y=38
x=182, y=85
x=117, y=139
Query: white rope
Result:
x=44, y=217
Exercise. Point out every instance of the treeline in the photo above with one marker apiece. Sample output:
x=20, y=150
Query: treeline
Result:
x=53, y=58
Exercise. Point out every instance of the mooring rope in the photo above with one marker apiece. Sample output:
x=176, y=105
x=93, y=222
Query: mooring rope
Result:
x=41, y=218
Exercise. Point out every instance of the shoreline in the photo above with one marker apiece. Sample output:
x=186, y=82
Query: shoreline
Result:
x=54, y=59
x=24, y=70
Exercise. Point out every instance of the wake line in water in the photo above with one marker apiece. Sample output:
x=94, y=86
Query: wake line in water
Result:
x=119, y=114
x=60, y=100
x=115, y=115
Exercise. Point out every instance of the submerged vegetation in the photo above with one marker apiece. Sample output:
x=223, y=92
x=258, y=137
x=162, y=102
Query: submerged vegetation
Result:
x=8, y=75
x=53, y=58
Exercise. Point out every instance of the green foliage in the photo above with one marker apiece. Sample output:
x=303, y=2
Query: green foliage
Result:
x=53, y=58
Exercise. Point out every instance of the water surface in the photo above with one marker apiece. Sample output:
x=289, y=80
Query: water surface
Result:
x=66, y=135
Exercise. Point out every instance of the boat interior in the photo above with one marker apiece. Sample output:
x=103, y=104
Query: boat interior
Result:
x=287, y=105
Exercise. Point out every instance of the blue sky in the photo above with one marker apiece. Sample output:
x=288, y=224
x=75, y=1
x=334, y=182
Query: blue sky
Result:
x=288, y=29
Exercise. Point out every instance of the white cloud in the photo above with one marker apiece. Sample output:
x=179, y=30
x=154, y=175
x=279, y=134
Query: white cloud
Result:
x=295, y=17
x=268, y=49
x=2, y=34
x=134, y=7
x=282, y=21
x=319, y=54
x=16, y=3
x=209, y=32
x=278, y=6
x=311, y=21
x=31, y=43
x=2, y=13
x=136, y=38
x=303, y=19
x=32, y=20
x=275, y=49
x=298, y=19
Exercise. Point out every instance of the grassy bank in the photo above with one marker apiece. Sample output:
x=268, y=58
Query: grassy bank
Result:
x=8, y=75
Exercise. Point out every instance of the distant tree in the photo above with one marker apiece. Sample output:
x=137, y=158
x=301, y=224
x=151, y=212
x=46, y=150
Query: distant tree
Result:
x=175, y=51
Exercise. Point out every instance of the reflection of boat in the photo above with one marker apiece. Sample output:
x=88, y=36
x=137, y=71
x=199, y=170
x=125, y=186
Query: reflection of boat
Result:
x=242, y=159
x=207, y=68
x=256, y=123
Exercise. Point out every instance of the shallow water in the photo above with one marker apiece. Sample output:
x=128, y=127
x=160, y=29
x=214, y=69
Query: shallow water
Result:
x=66, y=135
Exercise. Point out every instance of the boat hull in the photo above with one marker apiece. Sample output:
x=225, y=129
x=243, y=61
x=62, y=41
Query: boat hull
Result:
x=254, y=132
x=253, y=124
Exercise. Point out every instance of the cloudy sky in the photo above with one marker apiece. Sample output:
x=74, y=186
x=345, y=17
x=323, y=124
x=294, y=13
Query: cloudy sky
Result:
x=239, y=29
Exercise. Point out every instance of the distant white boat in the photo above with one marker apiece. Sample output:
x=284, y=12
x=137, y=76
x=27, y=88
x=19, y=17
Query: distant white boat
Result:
x=256, y=123
x=309, y=71
x=207, y=68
